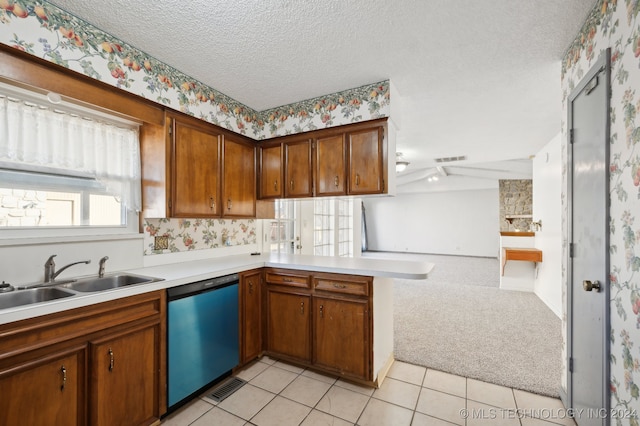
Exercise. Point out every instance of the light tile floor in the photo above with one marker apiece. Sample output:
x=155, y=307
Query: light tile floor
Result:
x=280, y=394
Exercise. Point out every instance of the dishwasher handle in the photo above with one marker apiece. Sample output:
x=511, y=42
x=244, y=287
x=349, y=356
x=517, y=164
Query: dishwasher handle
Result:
x=175, y=293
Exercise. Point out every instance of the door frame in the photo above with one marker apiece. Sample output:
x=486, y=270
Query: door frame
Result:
x=603, y=64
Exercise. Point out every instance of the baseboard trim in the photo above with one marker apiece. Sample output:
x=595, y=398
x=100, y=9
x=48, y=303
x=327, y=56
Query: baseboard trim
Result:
x=382, y=374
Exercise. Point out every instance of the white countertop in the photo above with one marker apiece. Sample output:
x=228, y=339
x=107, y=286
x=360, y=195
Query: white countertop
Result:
x=175, y=274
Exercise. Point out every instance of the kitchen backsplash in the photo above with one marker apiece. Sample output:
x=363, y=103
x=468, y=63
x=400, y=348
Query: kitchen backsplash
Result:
x=48, y=32
x=196, y=234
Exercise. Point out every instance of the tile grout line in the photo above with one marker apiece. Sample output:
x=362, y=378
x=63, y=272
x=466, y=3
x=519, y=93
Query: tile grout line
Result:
x=277, y=394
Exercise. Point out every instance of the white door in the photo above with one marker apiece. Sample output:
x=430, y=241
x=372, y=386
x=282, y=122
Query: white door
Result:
x=588, y=295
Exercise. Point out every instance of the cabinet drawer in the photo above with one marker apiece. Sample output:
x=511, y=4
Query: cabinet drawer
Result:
x=287, y=278
x=358, y=288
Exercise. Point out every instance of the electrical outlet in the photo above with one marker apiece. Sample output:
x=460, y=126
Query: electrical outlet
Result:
x=161, y=243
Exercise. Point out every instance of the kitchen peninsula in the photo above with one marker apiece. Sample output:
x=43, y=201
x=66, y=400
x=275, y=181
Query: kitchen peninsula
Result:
x=339, y=295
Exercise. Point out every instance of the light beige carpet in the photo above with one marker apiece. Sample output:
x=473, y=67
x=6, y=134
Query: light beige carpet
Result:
x=459, y=321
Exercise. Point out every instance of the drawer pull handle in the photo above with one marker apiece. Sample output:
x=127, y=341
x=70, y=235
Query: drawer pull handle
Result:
x=287, y=280
x=357, y=179
x=292, y=185
x=275, y=185
x=336, y=181
x=229, y=204
x=302, y=308
x=111, y=360
x=213, y=203
x=336, y=285
x=63, y=370
x=321, y=311
x=250, y=287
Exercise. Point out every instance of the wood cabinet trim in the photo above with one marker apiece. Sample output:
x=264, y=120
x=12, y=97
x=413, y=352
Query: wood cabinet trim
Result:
x=26, y=69
x=39, y=332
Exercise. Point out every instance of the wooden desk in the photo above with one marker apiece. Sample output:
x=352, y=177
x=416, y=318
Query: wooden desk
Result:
x=526, y=254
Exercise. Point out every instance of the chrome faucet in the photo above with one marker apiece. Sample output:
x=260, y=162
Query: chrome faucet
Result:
x=101, y=267
x=50, y=273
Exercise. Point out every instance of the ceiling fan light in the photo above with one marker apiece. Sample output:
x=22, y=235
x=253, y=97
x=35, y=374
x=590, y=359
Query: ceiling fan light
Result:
x=401, y=166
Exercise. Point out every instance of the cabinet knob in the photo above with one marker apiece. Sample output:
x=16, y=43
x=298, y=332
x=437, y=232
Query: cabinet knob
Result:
x=336, y=181
x=111, y=360
x=321, y=311
x=250, y=287
x=63, y=370
x=302, y=308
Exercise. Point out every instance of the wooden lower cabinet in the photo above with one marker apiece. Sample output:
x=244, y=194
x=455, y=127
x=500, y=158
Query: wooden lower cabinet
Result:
x=322, y=320
x=103, y=364
x=47, y=390
x=124, y=380
x=341, y=339
x=289, y=324
x=250, y=315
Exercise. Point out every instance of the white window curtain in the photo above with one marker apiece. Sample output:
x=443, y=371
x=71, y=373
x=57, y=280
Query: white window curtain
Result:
x=34, y=136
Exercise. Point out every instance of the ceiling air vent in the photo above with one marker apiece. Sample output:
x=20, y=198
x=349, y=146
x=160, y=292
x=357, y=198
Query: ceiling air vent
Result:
x=451, y=159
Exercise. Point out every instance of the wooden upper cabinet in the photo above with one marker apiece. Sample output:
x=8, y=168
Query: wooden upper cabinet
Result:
x=298, y=169
x=330, y=165
x=195, y=186
x=365, y=148
x=239, y=178
x=271, y=171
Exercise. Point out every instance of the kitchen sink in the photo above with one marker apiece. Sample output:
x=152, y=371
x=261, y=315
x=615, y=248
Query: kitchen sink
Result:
x=89, y=285
x=30, y=296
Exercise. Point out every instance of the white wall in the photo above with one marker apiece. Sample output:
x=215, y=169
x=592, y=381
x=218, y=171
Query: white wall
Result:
x=22, y=260
x=455, y=222
x=547, y=206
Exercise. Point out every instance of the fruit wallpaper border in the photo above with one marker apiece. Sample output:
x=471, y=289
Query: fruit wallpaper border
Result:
x=46, y=31
x=197, y=234
x=615, y=24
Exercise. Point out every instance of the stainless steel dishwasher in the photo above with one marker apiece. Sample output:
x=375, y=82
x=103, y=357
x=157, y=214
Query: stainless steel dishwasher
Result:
x=202, y=336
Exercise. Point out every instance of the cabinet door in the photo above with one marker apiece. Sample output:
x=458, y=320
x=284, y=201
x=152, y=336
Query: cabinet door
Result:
x=365, y=161
x=298, y=177
x=239, y=195
x=330, y=165
x=195, y=186
x=250, y=287
x=288, y=324
x=125, y=371
x=341, y=336
x=48, y=390
x=271, y=171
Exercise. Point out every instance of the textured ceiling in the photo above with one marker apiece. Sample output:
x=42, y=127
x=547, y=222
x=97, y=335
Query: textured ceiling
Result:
x=472, y=77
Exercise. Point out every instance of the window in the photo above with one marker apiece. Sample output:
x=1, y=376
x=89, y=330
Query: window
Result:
x=281, y=231
x=62, y=165
x=333, y=227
